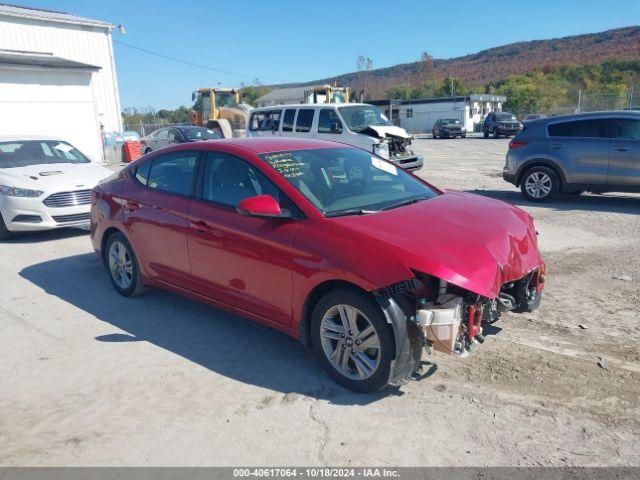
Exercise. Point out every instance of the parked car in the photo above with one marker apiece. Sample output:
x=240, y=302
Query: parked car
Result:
x=356, y=124
x=163, y=137
x=501, y=124
x=45, y=183
x=448, y=128
x=597, y=152
x=363, y=267
x=533, y=117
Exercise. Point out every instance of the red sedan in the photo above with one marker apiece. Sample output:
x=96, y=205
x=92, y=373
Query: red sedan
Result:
x=325, y=242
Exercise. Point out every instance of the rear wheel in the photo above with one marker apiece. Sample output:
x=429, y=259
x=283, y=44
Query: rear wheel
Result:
x=539, y=184
x=352, y=340
x=5, y=234
x=122, y=265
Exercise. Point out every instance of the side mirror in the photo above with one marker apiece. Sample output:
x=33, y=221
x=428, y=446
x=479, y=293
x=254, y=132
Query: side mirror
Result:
x=259, y=206
x=336, y=127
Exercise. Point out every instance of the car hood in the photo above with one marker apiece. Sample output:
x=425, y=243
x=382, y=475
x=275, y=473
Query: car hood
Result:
x=472, y=241
x=382, y=131
x=55, y=175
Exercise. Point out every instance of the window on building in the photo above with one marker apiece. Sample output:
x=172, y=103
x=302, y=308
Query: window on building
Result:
x=409, y=112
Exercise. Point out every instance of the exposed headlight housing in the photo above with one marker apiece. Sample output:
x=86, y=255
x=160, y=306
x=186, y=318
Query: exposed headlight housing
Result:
x=381, y=149
x=19, y=192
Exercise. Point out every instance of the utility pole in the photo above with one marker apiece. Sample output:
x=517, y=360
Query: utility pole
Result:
x=579, y=100
x=630, y=97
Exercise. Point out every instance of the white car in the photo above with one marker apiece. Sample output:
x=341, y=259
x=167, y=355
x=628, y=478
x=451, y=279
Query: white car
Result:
x=358, y=124
x=45, y=183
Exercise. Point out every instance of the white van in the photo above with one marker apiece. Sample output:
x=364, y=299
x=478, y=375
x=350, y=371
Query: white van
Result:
x=356, y=124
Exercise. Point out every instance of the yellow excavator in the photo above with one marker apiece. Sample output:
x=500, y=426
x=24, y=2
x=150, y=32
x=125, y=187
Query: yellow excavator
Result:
x=220, y=109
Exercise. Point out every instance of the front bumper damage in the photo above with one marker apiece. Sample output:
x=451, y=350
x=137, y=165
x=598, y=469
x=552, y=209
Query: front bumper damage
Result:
x=430, y=314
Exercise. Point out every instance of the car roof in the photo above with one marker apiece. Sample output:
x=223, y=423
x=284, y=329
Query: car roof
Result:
x=313, y=105
x=584, y=115
x=276, y=144
x=26, y=138
x=188, y=127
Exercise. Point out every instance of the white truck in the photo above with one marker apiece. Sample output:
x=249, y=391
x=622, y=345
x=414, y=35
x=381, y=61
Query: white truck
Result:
x=357, y=124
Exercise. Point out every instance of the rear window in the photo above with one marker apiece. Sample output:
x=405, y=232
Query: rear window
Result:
x=596, y=128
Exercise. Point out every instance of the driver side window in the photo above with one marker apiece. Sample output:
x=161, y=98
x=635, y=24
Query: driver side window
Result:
x=228, y=180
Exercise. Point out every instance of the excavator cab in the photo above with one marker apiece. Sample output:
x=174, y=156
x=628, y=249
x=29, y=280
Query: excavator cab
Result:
x=220, y=109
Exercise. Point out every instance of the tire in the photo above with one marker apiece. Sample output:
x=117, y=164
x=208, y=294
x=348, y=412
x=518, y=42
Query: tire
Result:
x=364, y=371
x=127, y=283
x=539, y=184
x=485, y=133
x=5, y=234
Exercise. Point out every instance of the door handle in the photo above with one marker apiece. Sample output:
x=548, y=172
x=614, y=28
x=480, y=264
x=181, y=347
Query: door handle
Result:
x=621, y=148
x=555, y=145
x=201, y=227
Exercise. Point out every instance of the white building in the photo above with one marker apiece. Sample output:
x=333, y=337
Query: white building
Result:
x=57, y=77
x=418, y=116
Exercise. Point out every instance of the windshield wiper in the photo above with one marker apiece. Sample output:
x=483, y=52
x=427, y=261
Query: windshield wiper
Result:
x=406, y=202
x=353, y=211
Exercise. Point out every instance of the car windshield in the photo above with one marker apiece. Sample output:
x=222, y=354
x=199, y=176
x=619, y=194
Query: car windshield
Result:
x=505, y=116
x=359, y=117
x=17, y=154
x=449, y=121
x=347, y=181
x=200, y=134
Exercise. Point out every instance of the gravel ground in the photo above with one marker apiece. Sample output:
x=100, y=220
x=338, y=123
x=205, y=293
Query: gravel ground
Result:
x=90, y=378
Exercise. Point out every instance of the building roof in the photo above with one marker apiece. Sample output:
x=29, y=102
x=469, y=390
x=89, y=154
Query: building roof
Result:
x=14, y=58
x=474, y=97
x=18, y=11
x=282, y=94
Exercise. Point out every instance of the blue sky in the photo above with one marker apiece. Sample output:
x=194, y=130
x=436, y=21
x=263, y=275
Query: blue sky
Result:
x=297, y=40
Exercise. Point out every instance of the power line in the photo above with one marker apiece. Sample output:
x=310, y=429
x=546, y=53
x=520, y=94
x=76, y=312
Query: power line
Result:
x=191, y=64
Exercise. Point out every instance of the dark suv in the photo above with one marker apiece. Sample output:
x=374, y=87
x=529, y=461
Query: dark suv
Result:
x=501, y=123
x=595, y=152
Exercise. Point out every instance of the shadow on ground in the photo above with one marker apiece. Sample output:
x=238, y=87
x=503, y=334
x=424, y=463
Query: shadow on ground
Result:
x=223, y=343
x=612, y=203
x=45, y=235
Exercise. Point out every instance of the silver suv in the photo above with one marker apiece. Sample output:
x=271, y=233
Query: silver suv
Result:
x=595, y=152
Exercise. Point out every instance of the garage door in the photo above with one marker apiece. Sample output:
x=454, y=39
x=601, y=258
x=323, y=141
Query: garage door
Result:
x=57, y=103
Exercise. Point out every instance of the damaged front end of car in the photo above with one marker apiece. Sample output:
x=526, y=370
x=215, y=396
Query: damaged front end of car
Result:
x=431, y=314
x=394, y=143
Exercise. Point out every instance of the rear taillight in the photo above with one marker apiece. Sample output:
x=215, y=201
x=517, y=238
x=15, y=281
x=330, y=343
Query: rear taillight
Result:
x=517, y=144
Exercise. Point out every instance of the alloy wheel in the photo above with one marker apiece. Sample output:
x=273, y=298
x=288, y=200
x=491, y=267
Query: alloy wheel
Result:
x=538, y=185
x=350, y=342
x=120, y=265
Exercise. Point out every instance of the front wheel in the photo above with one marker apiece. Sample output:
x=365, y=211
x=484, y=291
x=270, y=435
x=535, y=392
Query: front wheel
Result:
x=352, y=340
x=539, y=184
x=122, y=265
